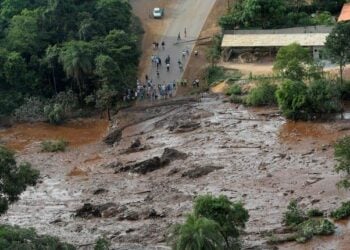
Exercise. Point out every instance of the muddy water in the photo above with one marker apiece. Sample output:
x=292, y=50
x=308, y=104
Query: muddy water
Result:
x=77, y=133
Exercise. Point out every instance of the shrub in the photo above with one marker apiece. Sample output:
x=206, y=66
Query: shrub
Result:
x=236, y=99
x=229, y=215
x=234, y=89
x=20, y=238
x=323, y=98
x=292, y=99
x=14, y=178
x=262, y=94
x=67, y=100
x=311, y=227
x=197, y=233
x=294, y=215
x=214, y=74
x=54, y=145
x=314, y=212
x=32, y=109
x=102, y=244
x=54, y=113
x=342, y=212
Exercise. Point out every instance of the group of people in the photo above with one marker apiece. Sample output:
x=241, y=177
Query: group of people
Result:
x=153, y=91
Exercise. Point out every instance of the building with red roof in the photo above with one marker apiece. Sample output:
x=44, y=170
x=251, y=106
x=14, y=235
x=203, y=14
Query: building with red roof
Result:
x=345, y=13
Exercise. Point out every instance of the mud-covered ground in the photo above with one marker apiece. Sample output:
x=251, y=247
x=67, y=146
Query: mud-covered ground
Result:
x=257, y=157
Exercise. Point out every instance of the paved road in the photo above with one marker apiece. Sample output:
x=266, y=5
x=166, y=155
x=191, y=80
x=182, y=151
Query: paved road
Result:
x=189, y=14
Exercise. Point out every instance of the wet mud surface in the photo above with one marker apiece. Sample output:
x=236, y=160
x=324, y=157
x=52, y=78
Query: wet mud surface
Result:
x=78, y=132
x=250, y=155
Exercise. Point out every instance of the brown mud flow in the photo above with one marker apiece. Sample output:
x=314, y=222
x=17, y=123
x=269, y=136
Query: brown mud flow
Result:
x=77, y=133
x=230, y=150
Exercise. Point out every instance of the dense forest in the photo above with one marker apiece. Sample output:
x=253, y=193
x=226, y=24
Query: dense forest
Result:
x=269, y=14
x=71, y=49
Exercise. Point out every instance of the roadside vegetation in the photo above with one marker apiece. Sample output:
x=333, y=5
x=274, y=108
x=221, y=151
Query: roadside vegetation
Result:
x=53, y=51
x=280, y=13
x=215, y=223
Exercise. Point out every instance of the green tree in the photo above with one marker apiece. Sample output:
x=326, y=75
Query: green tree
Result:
x=197, y=233
x=255, y=13
x=76, y=58
x=342, y=155
x=338, y=45
x=114, y=14
x=15, y=70
x=323, y=98
x=104, y=99
x=230, y=216
x=292, y=60
x=23, y=34
x=14, y=178
x=292, y=99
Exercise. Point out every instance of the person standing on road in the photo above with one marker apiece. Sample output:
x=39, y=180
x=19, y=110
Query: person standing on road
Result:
x=167, y=67
x=185, y=32
x=163, y=45
x=179, y=37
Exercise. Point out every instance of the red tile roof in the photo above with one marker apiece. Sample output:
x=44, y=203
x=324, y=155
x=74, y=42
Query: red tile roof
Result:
x=345, y=13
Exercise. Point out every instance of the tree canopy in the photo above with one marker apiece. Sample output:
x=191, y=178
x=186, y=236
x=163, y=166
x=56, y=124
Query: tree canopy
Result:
x=269, y=14
x=338, y=45
x=47, y=47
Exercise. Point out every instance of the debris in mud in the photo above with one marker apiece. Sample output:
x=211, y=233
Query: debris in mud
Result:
x=199, y=171
x=136, y=143
x=136, y=146
x=114, y=165
x=171, y=154
x=100, y=191
x=142, y=167
x=154, y=163
x=77, y=172
x=184, y=126
x=89, y=210
x=113, y=137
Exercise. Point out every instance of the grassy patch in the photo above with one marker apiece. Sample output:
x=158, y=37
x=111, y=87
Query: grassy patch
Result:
x=311, y=227
x=342, y=212
x=294, y=215
x=54, y=145
x=216, y=74
x=314, y=212
x=234, y=89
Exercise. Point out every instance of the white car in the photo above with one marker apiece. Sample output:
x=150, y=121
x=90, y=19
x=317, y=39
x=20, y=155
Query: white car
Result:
x=158, y=12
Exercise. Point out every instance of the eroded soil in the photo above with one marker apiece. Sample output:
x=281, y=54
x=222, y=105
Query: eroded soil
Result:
x=253, y=155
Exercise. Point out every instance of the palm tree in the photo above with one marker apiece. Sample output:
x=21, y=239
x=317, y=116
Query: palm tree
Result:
x=197, y=233
x=76, y=58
